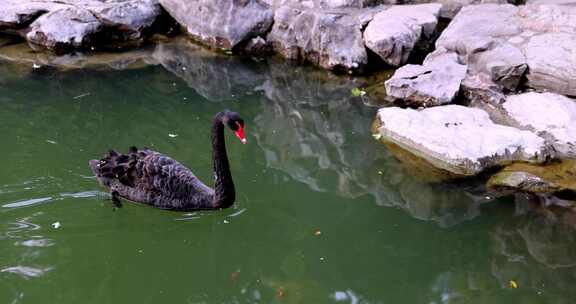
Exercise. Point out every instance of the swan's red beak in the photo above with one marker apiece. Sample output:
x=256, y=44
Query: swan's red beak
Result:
x=240, y=133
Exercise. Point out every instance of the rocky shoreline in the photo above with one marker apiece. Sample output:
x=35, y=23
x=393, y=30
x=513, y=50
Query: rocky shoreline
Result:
x=494, y=92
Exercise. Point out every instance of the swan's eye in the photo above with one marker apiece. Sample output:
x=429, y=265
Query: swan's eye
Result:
x=240, y=133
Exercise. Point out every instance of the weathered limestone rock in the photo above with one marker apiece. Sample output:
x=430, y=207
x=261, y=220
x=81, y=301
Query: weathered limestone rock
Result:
x=535, y=179
x=64, y=28
x=392, y=34
x=460, y=140
x=552, y=116
x=552, y=61
x=66, y=24
x=436, y=82
x=331, y=39
x=451, y=7
x=221, y=23
x=509, y=42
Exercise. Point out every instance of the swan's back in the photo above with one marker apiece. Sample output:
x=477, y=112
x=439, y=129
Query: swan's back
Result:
x=152, y=178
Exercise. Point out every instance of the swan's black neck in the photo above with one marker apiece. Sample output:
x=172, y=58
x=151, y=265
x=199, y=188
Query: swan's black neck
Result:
x=224, y=193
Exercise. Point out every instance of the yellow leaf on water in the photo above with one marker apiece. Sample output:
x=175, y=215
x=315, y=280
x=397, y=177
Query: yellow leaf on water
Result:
x=513, y=284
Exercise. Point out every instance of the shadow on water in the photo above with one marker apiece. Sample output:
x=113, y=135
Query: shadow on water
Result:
x=309, y=226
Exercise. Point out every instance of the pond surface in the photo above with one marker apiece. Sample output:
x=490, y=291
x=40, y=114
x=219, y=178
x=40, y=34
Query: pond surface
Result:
x=324, y=214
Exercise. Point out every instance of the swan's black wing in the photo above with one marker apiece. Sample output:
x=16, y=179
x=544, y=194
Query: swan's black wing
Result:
x=150, y=177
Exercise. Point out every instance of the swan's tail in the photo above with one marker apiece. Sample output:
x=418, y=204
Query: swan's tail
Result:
x=116, y=167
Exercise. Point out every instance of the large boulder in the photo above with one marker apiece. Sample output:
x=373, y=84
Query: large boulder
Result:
x=223, y=24
x=552, y=61
x=331, y=39
x=393, y=34
x=510, y=42
x=64, y=28
x=461, y=140
x=435, y=82
x=66, y=24
x=550, y=115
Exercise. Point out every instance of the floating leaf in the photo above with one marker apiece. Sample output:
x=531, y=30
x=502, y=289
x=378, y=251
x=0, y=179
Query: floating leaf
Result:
x=513, y=284
x=280, y=292
x=356, y=92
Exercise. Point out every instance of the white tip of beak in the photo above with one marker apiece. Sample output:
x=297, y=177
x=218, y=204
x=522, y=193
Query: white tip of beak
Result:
x=243, y=140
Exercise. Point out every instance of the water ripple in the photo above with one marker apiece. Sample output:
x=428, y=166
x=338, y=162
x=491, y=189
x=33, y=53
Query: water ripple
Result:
x=21, y=226
x=26, y=272
x=28, y=202
x=36, y=243
x=84, y=194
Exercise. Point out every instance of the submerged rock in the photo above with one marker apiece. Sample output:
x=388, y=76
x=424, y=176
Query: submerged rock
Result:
x=551, y=178
x=393, y=34
x=223, y=24
x=460, y=140
x=27, y=60
x=331, y=39
x=65, y=25
x=435, y=82
x=550, y=115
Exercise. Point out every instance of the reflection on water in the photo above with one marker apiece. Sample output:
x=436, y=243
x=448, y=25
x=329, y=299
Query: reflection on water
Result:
x=310, y=224
x=538, y=251
x=26, y=272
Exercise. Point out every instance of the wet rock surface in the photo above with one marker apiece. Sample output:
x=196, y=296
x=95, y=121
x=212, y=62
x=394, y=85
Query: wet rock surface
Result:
x=66, y=25
x=557, y=177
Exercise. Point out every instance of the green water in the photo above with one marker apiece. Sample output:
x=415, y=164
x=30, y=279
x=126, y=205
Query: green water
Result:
x=323, y=215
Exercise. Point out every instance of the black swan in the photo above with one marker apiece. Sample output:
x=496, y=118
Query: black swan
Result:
x=149, y=177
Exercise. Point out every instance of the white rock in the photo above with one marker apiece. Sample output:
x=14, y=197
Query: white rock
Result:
x=512, y=42
x=552, y=61
x=552, y=115
x=436, y=82
x=393, y=33
x=458, y=139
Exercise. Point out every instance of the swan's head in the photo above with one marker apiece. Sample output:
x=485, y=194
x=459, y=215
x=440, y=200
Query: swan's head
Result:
x=236, y=124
